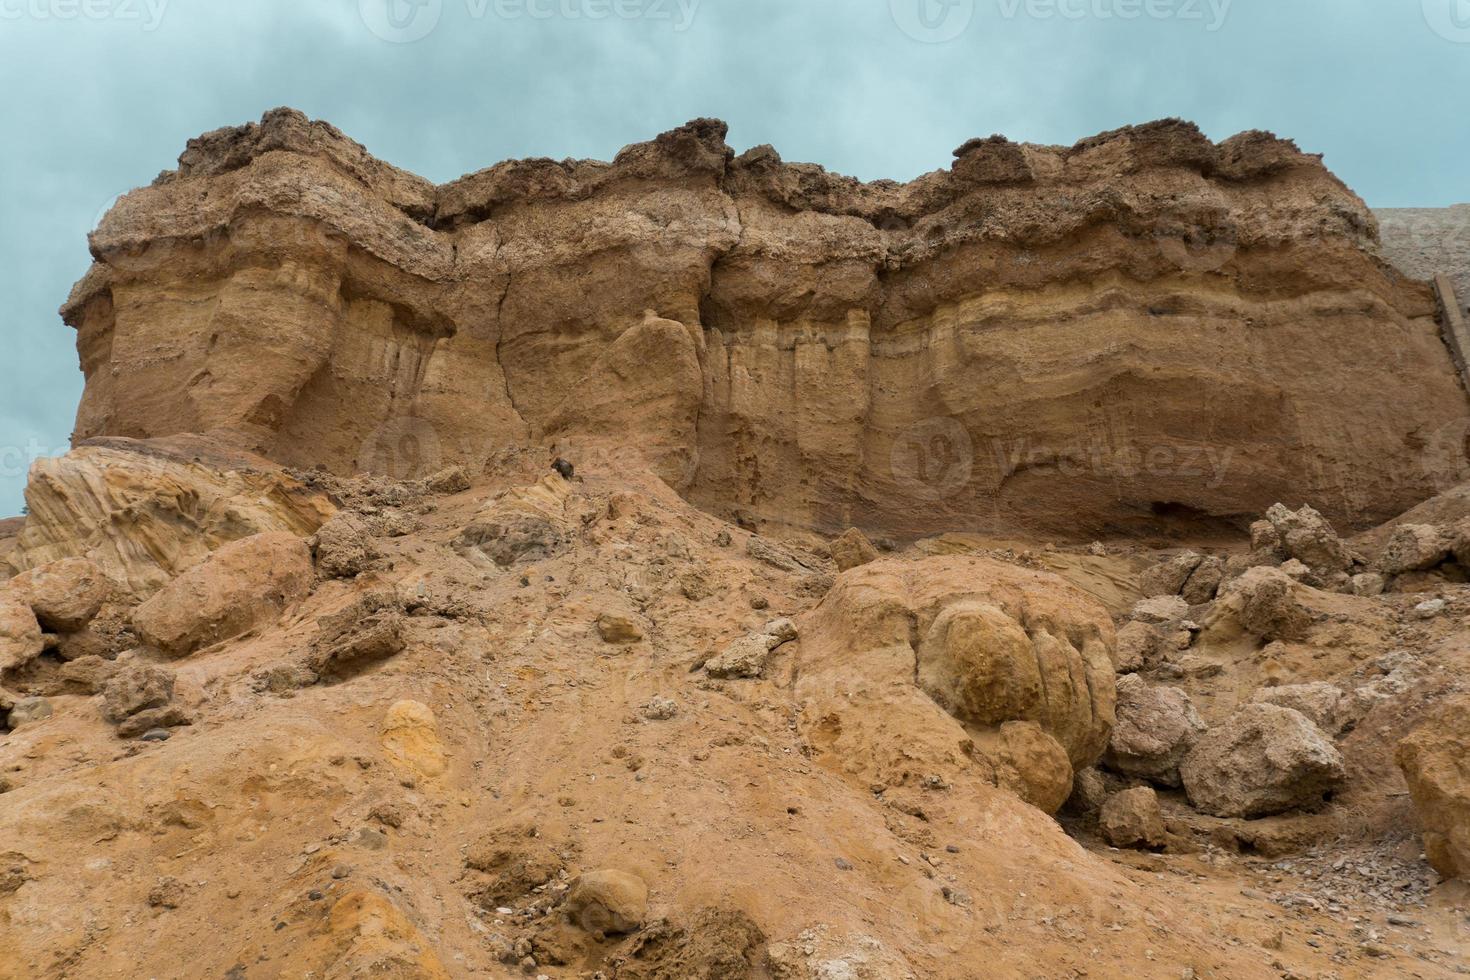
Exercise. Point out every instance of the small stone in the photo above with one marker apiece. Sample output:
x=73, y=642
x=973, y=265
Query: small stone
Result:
x=843, y=864
x=156, y=735
x=660, y=709
x=167, y=893
x=341, y=871
x=853, y=549
x=451, y=480
x=1430, y=608
x=618, y=629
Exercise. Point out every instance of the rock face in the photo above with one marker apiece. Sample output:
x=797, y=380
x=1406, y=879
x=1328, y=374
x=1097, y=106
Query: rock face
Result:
x=903, y=661
x=243, y=585
x=20, y=634
x=785, y=341
x=1263, y=759
x=1435, y=760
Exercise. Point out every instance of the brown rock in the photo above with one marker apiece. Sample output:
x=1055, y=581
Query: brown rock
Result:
x=167, y=716
x=851, y=549
x=1263, y=759
x=88, y=675
x=65, y=595
x=343, y=547
x=244, y=585
x=20, y=634
x=618, y=628
x=611, y=902
x=145, y=511
x=135, y=688
x=1168, y=577
x=1139, y=645
x=1156, y=727
x=1414, y=548
x=1132, y=819
x=1435, y=760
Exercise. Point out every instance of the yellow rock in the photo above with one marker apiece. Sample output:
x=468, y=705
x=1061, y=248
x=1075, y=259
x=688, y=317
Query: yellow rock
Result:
x=411, y=739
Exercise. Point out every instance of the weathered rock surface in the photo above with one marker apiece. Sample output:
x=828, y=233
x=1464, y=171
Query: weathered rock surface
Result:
x=1132, y=819
x=1435, y=760
x=243, y=585
x=1156, y=727
x=611, y=902
x=1263, y=759
x=873, y=340
x=65, y=595
x=851, y=549
x=146, y=511
x=1328, y=706
x=20, y=634
x=135, y=688
x=1264, y=602
x=959, y=649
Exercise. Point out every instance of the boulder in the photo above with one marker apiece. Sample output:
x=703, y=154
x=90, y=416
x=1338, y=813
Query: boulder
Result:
x=1168, y=577
x=450, y=480
x=1204, y=582
x=1132, y=819
x=1435, y=760
x=1262, y=760
x=1089, y=793
x=610, y=902
x=343, y=548
x=1308, y=537
x=1413, y=548
x=522, y=524
x=1368, y=584
x=746, y=656
x=1327, y=705
x=1263, y=602
x=135, y=688
x=1015, y=665
x=1156, y=727
x=852, y=549
x=145, y=511
x=65, y=595
x=1139, y=645
x=618, y=628
x=20, y=635
x=87, y=675
x=154, y=719
x=366, y=632
x=244, y=585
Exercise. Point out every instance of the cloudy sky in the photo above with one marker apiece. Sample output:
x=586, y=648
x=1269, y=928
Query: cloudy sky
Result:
x=103, y=94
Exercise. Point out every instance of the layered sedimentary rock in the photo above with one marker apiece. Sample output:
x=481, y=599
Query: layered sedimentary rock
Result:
x=1068, y=339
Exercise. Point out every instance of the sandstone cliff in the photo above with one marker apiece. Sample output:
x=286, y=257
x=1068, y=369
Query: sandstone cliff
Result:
x=1075, y=340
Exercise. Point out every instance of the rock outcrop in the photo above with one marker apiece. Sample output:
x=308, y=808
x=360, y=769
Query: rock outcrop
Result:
x=960, y=650
x=783, y=341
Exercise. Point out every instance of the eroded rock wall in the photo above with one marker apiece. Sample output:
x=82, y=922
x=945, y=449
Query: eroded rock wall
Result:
x=1072, y=340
